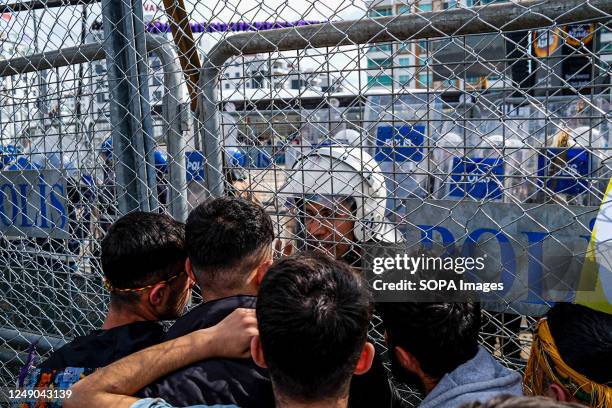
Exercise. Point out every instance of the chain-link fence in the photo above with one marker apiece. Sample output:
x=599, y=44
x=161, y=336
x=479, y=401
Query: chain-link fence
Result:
x=478, y=127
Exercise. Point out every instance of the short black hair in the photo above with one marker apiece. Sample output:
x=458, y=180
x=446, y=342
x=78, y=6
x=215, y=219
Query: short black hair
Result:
x=142, y=248
x=441, y=336
x=583, y=337
x=226, y=238
x=512, y=401
x=313, y=314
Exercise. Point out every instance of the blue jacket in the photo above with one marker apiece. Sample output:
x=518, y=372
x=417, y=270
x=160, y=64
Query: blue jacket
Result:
x=160, y=403
x=479, y=379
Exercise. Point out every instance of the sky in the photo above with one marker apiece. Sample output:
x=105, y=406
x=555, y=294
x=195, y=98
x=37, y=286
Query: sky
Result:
x=60, y=27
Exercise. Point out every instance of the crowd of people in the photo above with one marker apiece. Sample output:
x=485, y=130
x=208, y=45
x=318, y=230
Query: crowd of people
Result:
x=297, y=331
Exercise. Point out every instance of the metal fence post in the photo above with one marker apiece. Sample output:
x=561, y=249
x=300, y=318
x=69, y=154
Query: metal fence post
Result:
x=211, y=137
x=132, y=130
x=172, y=114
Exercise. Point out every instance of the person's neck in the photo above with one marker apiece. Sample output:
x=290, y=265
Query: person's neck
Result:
x=211, y=294
x=283, y=402
x=429, y=383
x=120, y=316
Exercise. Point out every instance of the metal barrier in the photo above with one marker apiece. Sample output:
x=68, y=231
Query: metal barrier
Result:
x=51, y=287
x=487, y=122
x=513, y=171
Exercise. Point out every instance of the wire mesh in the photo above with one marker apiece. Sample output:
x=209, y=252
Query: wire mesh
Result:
x=482, y=122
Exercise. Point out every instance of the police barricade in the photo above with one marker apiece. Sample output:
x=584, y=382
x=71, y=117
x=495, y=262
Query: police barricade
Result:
x=481, y=184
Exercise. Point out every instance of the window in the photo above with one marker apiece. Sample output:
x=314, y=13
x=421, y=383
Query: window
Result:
x=227, y=85
x=380, y=12
x=606, y=48
x=404, y=62
x=380, y=62
x=424, y=81
x=386, y=48
x=405, y=9
x=423, y=61
x=258, y=81
x=450, y=4
x=405, y=79
x=236, y=74
x=423, y=7
x=405, y=47
x=380, y=80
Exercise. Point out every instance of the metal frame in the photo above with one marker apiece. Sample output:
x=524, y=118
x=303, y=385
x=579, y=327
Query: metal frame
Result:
x=130, y=113
x=523, y=15
x=171, y=106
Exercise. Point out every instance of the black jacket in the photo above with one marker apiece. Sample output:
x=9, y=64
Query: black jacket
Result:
x=103, y=347
x=218, y=380
x=241, y=382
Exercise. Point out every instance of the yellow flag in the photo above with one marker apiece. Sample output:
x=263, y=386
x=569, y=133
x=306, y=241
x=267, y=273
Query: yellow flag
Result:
x=596, y=277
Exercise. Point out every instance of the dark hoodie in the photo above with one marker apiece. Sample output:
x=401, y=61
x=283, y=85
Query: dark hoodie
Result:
x=103, y=347
x=241, y=381
x=217, y=380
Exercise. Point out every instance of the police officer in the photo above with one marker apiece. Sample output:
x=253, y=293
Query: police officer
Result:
x=338, y=197
x=108, y=198
x=9, y=154
x=107, y=205
x=161, y=171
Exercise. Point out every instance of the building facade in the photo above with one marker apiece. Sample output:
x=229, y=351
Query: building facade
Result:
x=413, y=64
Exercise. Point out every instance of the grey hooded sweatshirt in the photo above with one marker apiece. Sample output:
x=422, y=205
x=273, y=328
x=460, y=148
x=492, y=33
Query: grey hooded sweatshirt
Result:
x=478, y=379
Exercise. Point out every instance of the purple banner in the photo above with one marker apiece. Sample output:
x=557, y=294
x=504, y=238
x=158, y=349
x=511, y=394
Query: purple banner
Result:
x=157, y=27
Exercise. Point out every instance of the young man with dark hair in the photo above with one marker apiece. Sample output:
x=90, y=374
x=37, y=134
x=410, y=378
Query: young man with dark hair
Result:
x=143, y=260
x=229, y=242
x=337, y=196
x=435, y=347
x=571, y=356
x=312, y=344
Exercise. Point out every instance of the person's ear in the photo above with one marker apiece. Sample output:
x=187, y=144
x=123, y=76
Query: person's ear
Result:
x=556, y=392
x=408, y=361
x=257, y=352
x=189, y=270
x=262, y=269
x=157, y=295
x=365, y=359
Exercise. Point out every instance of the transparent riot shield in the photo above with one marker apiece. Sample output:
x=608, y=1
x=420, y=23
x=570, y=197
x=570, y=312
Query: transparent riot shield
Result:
x=573, y=153
x=400, y=134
